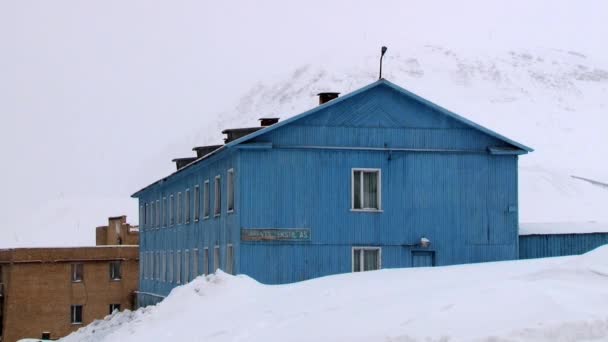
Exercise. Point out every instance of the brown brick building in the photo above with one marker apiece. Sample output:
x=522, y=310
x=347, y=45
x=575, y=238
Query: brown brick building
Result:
x=58, y=290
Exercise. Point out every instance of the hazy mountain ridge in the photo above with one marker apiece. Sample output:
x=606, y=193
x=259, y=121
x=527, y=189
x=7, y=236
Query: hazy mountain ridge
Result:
x=551, y=100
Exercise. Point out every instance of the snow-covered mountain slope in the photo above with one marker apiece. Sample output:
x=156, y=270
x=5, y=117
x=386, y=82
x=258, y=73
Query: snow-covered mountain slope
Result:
x=552, y=299
x=554, y=101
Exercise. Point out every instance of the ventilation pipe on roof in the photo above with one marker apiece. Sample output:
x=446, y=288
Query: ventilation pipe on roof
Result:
x=327, y=96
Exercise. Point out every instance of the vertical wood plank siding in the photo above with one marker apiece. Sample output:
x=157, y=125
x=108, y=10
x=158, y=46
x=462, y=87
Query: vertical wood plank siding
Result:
x=460, y=197
x=552, y=245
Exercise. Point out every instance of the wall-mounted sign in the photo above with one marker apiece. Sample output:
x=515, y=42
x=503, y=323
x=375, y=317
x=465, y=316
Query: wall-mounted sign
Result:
x=275, y=234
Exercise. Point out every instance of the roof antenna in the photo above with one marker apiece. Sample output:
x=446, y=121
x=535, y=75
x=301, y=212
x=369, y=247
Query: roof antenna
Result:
x=383, y=50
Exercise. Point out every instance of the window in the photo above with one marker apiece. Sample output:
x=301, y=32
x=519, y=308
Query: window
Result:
x=194, y=263
x=197, y=209
x=170, y=267
x=77, y=273
x=114, y=307
x=171, y=210
x=163, y=266
x=146, y=216
x=206, y=205
x=229, y=260
x=142, y=274
x=157, y=266
x=366, y=194
x=178, y=265
x=366, y=258
x=152, y=214
x=164, y=211
x=216, y=258
x=230, y=191
x=186, y=273
x=188, y=203
x=180, y=209
x=115, y=270
x=142, y=215
x=157, y=213
x=76, y=316
x=217, y=205
x=206, y=261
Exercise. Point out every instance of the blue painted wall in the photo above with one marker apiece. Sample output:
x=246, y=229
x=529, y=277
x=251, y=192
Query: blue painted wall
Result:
x=438, y=181
x=552, y=245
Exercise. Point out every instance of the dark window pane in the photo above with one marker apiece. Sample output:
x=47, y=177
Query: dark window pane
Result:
x=370, y=259
x=357, y=260
x=370, y=190
x=357, y=189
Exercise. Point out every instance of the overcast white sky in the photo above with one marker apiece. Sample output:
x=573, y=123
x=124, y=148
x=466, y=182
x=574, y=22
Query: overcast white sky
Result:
x=89, y=89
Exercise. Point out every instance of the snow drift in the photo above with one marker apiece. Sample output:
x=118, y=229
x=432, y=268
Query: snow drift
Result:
x=555, y=299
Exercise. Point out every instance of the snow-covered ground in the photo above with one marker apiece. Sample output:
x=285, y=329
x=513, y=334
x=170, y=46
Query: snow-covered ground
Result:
x=554, y=299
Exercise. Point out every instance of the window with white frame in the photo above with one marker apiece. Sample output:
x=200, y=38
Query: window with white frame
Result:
x=171, y=210
x=366, y=189
x=197, y=204
x=230, y=191
x=178, y=267
x=163, y=266
x=115, y=273
x=170, y=265
x=366, y=258
x=76, y=314
x=217, y=204
x=206, y=199
x=142, y=215
x=186, y=273
x=146, y=215
x=157, y=213
x=229, y=259
x=152, y=212
x=77, y=272
x=216, y=258
x=194, y=263
x=187, y=206
x=164, y=212
x=179, y=208
x=206, y=261
x=157, y=265
x=114, y=307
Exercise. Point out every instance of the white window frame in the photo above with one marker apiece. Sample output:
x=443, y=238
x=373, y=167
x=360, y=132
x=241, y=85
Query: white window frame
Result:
x=216, y=258
x=163, y=266
x=352, y=189
x=206, y=261
x=113, y=276
x=171, y=210
x=187, y=206
x=206, y=199
x=178, y=267
x=164, y=212
x=170, y=268
x=217, y=196
x=186, y=273
x=230, y=191
x=362, y=258
x=197, y=203
x=229, y=259
x=74, y=268
x=157, y=213
x=73, y=313
x=195, y=268
x=180, y=208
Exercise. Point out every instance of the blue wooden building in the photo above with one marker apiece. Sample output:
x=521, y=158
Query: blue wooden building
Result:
x=378, y=178
x=542, y=240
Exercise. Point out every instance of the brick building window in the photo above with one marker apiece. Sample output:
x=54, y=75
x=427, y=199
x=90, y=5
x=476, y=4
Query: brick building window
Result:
x=77, y=272
x=115, y=270
x=114, y=307
x=76, y=314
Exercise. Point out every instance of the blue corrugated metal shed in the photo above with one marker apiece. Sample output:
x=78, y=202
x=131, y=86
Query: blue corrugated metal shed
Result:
x=357, y=183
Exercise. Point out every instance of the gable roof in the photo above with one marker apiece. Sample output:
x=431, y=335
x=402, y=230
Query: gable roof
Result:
x=396, y=88
x=316, y=109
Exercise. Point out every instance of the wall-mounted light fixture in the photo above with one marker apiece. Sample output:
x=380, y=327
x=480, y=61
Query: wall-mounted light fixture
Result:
x=424, y=242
